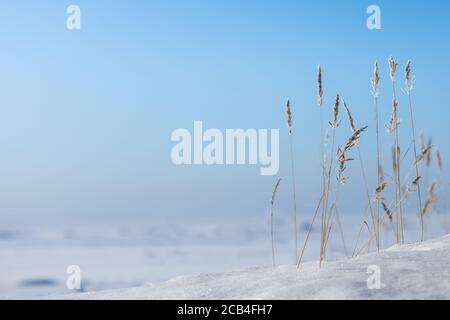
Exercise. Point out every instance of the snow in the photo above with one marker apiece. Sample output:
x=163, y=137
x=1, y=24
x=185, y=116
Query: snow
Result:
x=34, y=259
x=148, y=254
x=413, y=271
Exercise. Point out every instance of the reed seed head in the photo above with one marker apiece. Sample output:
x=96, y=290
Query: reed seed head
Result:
x=349, y=116
x=415, y=182
x=409, y=79
x=429, y=146
x=392, y=68
x=335, y=123
x=381, y=186
x=431, y=200
x=374, y=81
x=274, y=192
x=387, y=211
x=341, y=153
x=424, y=152
x=289, y=115
x=319, y=85
x=439, y=159
x=408, y=70
x=393, y=123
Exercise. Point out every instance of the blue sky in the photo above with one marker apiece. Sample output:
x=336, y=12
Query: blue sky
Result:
x=86, y=116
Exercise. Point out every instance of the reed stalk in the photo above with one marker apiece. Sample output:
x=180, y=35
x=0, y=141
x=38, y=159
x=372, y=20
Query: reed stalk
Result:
x=334, y=124
x=394, y=127
x=375, y=92
x=409, y=85
x=289, y=124
x=272, y=202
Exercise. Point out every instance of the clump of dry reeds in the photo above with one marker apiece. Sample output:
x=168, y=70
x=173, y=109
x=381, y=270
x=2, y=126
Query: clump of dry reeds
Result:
x=342, y=159
x=294, y=196
x=392, y=212
x=272, y=202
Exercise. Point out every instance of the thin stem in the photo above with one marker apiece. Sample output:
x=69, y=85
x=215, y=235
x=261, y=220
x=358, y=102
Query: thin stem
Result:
x=323, y=165
x=369, y=201
x=333, y=212
x=341, y=231
x=359, y=234
x=397, y=174
x=309, y=231
x=271, y=234
x=377, y=226
x=416, y=164
x=326, y=197
x=295, y=197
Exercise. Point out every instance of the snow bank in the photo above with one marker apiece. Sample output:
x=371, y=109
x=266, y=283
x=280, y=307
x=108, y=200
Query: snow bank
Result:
x=414, y=271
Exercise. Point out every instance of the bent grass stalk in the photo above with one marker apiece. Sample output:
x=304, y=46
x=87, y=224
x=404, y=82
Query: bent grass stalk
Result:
x=272, y=202
x=359, y=235
x=309, y=231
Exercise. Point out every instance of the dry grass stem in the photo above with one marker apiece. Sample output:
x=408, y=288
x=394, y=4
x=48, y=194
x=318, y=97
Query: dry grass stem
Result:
x=294, y=195
x=272, y=202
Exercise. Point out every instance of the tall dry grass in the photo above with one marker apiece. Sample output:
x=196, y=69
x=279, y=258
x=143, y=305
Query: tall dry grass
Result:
x=394, y=125
x=389, y=213
x=294, y=192
x=409, y=85
x=334, y=124
x=380, y=183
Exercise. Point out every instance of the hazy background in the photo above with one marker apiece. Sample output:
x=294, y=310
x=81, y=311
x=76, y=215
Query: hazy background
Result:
x=86, y=116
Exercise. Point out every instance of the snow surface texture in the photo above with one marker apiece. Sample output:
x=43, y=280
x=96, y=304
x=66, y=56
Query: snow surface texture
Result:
x=122, y=254
x=34, y=259
x=414, y=271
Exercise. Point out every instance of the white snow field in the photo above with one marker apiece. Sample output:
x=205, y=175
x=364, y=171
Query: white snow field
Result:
x=34, y=259
x=413, y=271
x=145, y=254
